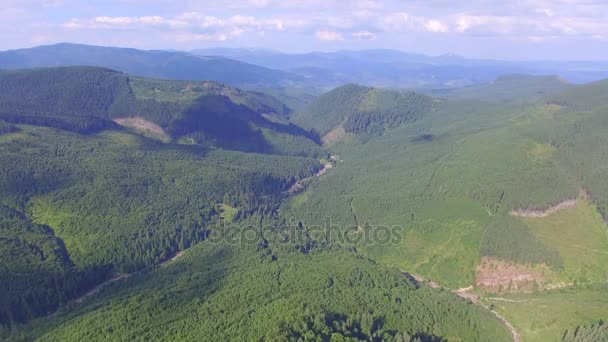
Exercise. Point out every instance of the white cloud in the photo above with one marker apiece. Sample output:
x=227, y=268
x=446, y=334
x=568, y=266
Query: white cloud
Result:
x=436, y=26
x=547, y=27
x=536, y=20
x=402, y=21
x=327, y=35
x=363, y=35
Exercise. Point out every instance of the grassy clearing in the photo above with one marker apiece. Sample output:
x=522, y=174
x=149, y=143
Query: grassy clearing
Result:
x=443, y=246
x=123, y=138
x=7, y=138
x=545, y=316
x=541, y=153
x=580, y=236
x=227, y=212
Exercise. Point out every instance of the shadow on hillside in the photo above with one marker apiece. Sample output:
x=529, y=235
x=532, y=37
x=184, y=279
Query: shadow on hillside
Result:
x=193, y=278
x=216, y=120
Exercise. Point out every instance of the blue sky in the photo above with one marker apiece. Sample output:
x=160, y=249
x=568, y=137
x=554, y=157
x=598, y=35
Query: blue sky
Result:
x=514, y=30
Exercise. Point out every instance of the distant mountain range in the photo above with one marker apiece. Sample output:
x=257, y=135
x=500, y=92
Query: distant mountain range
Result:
x=391, y=68
x=257, y=69
x=155, y=63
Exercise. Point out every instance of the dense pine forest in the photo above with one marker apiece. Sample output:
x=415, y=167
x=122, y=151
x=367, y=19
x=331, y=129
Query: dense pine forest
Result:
x=87, y=100
x=141, y=202
x=146, y=209
x=363, y=110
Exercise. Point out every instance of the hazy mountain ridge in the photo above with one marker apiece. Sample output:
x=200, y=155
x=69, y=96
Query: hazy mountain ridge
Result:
x=391, y=68
x=153, y=63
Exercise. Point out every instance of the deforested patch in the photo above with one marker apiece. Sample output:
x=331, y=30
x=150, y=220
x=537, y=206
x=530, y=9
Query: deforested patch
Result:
x=143, y=126
x=499, y=276
x=540, y=213
x=334, y=135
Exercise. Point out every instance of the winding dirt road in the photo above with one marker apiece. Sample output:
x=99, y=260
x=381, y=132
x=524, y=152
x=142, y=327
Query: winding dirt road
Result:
x=299, y=185
x=120, y=277
x=466, y=294
x=101, y=286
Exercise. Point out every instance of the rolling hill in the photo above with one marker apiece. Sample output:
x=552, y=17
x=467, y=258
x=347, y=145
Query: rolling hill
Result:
x=364, y=111
x=89, y=99
x=127, y=200
x=516, y=89
x=154, y=164
x=497, y=197
x=102, y=222
x=156, y=63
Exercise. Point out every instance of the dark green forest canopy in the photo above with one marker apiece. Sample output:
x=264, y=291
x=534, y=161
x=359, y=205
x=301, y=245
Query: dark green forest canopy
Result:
x=363, y=110
x=88, y=99
x=289, y=295
x=84, y=200
x=590, y=333
x=116, y=201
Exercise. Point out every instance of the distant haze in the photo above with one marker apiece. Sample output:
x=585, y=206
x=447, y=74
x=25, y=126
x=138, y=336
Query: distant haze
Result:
x=252, y=69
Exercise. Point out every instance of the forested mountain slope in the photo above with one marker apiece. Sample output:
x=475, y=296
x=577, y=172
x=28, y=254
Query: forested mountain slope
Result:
x=109, y=176
x=77, y=208
x=585, y=97
x=518, y=89
x=362, y=110
x=275, y=277
x=503, y=197
x=83, y=198
x=88, y=99
x=80, y=209
x=158, y=64
x=291, y=296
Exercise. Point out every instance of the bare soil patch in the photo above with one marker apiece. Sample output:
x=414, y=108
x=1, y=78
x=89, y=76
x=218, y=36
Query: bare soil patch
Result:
x=334, y=135
x=500, y=276
x=299, y=185
x=539, y=213
x=142, y=125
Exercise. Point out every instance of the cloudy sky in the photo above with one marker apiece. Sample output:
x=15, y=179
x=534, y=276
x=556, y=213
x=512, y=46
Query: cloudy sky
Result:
x=502, y=29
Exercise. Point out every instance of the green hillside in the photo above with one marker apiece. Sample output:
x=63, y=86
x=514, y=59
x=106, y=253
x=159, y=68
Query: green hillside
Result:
x=569, y=314
x=92, y=213
x=585, y=97
x=451, y=188
x=115, y=202
x=362, y=110
x=144, y=209
x=513, y=89
x=37, y=273
x=323, y=295
x=87, y=99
